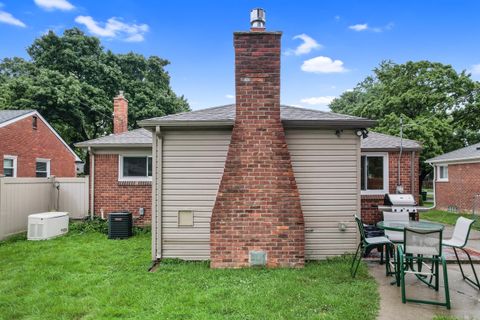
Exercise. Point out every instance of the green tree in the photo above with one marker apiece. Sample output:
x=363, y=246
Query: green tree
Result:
x=439, y=106
x=71, y=80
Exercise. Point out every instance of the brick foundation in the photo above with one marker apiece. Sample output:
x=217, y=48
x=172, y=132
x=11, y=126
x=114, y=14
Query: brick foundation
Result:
x=459, y=191
x=258, y=204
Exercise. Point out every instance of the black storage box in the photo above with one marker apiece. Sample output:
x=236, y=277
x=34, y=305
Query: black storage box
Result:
x=120, y=225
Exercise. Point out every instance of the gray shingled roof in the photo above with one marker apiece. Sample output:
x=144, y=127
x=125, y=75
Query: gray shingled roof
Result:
x=143, y=137
x=137, y=137
x=7, y=115
x=468, y=153
x=226, y=114
x=380, y=141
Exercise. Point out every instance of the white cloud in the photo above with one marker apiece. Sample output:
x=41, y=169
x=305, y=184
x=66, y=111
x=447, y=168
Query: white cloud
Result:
x=318, y=101
x=63, y=5
x=229, y=96
x=323, y=64
x=365, y=27
x=307, y=46
x=7, y=18
x=359, y=27
x=475, y=69
x=114, y=28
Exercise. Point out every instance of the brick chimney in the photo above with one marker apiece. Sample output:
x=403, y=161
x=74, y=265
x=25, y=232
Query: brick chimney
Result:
x=120, y=114
x=257, y=218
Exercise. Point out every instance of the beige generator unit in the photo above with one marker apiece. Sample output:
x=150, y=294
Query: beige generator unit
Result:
x=47, y=225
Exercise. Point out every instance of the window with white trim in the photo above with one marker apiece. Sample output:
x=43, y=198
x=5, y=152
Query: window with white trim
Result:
x=42, y=168
x=442, y=173
x=135, y=168
x=374, y=173
x=10, y=166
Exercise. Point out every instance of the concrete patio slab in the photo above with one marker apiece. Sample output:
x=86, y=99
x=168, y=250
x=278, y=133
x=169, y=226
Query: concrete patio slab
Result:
x=465, y=299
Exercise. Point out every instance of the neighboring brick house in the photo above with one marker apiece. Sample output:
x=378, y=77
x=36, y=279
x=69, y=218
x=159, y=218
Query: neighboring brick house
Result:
x=457, y=179
x=30, y=147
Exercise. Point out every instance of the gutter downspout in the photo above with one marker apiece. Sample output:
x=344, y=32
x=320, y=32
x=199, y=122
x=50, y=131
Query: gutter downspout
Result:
x=92, y=182
x=434, y=183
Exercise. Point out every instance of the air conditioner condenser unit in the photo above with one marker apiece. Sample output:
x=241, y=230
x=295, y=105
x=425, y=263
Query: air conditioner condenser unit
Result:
x=47, y=225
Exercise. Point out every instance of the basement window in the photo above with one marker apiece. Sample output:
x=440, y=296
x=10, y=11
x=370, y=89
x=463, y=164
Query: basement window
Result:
x=442, y=173
x=42, y=168
x=10, y=166
x=374, y=173
x=135, y=168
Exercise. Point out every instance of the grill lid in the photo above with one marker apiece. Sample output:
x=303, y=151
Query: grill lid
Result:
x=399, y=200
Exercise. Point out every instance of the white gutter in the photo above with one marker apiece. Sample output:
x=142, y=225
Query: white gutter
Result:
x=92, y=182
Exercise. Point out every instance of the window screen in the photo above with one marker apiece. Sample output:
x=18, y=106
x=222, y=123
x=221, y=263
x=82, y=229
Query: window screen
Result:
x=41, y=168
x=372, y=177
x=137, y=166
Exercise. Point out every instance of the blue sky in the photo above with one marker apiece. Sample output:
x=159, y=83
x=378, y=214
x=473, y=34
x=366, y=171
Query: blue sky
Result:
x=328, y=46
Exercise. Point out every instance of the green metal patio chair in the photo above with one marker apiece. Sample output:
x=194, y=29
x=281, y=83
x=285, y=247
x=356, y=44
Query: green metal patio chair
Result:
x=459, y=241
x=367, y=244
x=422, y=246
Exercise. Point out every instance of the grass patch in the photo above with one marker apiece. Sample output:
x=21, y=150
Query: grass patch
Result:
x=446, y=217
x=86, y=276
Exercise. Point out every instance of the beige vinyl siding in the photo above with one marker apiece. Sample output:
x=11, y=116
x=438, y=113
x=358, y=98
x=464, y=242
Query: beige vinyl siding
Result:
x=326, y=171
x=325, y=168
x=193, y=162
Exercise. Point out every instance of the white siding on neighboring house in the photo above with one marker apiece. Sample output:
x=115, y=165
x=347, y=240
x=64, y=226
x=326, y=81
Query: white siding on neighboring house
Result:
x=193, y=162
x=326, y=171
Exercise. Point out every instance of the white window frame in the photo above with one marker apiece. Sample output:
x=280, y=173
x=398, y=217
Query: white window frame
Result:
x=120, y=168
x=47, y=161
x=386, y=177
x=14, y=158
x=439, y=177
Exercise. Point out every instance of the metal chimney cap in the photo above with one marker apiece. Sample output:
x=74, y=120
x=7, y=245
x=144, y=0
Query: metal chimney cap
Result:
x=257, y=18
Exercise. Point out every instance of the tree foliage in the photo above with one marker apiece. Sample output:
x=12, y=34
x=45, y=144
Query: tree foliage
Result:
x=439, y=106
x=71, y=80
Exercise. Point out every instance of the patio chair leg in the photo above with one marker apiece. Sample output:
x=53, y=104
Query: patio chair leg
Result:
x=445, y=280
x=402, y=280
x=437, y=274
x=353, y=268
x=476, y=283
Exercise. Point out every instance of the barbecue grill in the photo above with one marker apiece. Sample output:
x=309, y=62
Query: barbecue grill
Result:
x=401, y=203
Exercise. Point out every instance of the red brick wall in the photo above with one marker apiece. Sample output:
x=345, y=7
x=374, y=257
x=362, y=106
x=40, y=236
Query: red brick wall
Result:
x=258, y=204
x=21, y=140
x=112, y=195
x=120, y=114
x=462, y=185
x=370, y=212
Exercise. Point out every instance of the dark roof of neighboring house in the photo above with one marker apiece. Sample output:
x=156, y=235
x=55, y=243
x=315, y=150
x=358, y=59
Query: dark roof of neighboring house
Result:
x=380, y=141
x=7, y=115
x=464, y=154
x=225, y=115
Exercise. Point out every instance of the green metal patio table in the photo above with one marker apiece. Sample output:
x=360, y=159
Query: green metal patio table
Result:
x=400, y=226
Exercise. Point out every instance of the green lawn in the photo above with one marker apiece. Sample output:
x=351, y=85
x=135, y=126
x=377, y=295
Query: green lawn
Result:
x=447, y=217
x=86, y=276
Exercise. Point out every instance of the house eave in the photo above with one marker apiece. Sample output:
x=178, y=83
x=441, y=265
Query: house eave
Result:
x=113, y=145
x=454, y=160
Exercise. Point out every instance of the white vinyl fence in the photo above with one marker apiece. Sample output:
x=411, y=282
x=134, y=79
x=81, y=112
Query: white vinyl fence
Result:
x=20, y=197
